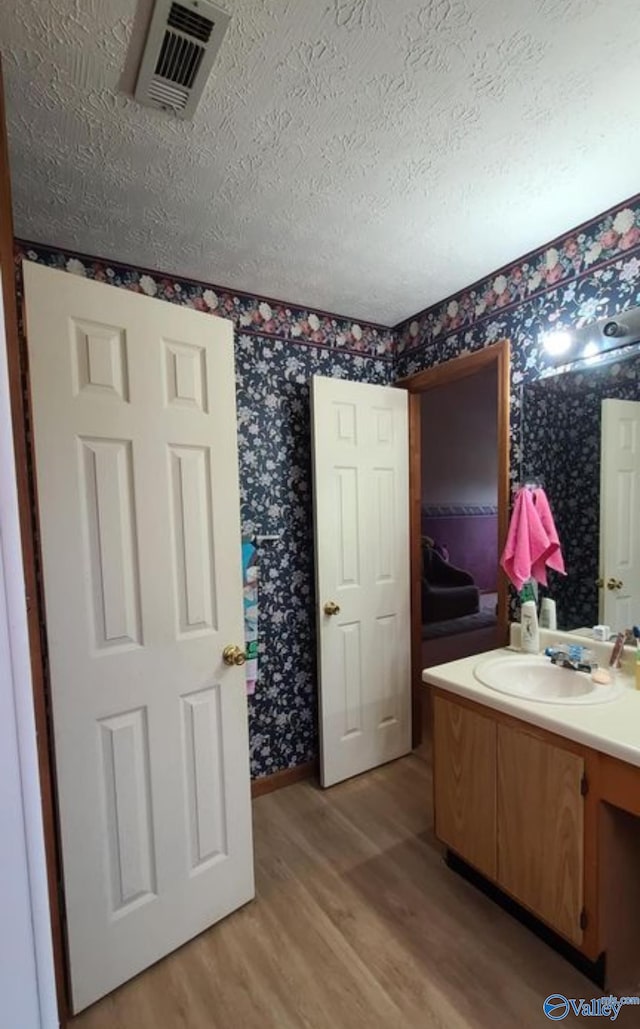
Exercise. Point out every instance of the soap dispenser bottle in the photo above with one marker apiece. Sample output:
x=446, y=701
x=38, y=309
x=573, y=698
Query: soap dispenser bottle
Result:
x=529, y=631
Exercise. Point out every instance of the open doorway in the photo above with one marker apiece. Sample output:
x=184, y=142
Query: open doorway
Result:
x=459, y=516
x=459, y=505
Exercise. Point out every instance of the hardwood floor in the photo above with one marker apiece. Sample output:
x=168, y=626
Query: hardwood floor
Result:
x=357, y=923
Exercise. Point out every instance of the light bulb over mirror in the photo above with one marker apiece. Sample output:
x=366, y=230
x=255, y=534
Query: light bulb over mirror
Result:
x=557, y=342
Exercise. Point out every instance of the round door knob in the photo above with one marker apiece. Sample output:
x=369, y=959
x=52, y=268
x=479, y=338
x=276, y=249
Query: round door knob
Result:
x=614, y=584
x=232, y=655
x=331, y=608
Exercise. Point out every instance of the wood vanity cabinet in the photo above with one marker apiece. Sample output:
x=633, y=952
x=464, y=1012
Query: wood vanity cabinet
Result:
x=553, y=823
x=540, y=821
x=510, y=803
x=464, y=783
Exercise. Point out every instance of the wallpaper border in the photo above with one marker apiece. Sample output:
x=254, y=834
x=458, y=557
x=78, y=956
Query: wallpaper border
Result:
x=584, y=250
x=458, y=510
x=251, y=314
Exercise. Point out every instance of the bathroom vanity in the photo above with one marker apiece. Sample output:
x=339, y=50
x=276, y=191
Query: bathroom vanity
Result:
x=543, y=800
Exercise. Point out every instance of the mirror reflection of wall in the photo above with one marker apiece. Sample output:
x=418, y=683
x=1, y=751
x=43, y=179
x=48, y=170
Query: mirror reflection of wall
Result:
x=561, y=441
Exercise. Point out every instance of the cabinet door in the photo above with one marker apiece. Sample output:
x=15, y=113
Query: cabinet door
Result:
x=540, y=828
x=465, y=783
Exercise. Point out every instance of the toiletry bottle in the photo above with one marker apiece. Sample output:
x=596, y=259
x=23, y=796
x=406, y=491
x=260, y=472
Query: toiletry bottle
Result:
x=548, y=618
x=529, y=632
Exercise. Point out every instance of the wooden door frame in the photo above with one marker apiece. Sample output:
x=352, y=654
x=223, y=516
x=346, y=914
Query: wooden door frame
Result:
x=20, y=404
x=498, y=354
x=19, y=393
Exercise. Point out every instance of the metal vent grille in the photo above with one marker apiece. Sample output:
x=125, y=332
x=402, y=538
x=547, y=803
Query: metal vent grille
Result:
x=181, y=46
x=166, y=95
x=179, y=59
x=189, y=22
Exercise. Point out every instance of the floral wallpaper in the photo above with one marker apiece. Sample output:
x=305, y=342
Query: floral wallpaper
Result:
x=561, y=419
x=278, y=348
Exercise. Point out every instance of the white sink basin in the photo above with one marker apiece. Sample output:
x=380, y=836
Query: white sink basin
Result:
x=534, y=678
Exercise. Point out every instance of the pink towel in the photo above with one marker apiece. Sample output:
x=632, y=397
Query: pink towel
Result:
x=532, y=540
x=553, y=555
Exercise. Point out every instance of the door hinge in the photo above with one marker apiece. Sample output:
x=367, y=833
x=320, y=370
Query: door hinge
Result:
x=584, y=785
x=584, y=919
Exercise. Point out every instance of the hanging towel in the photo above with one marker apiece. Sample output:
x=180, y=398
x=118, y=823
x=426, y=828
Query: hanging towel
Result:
x=552, y=557
x=250, y=596
x=532, y=540
x=525, y=540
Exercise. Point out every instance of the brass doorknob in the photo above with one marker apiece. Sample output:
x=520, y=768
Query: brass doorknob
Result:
x=331, y=608
x=232, y=655
x=600, y=583
x=614, y=584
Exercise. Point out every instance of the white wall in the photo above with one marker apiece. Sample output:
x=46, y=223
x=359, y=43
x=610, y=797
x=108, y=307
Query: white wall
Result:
x=27, y=985
x=460, y=441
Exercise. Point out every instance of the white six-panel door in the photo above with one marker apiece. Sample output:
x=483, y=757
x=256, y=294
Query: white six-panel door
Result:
x=136, y=460
x=361, y=500
x=620, y=514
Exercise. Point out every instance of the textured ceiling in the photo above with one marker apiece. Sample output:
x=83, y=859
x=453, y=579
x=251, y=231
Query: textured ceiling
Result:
x=363, y=156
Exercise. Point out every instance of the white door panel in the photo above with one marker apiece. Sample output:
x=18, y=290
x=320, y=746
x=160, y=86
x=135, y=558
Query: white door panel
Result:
x=134, y=404
x=620, y=514
x=362, y=564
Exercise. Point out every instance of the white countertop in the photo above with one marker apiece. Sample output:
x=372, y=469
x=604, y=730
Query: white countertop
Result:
x=612, y=727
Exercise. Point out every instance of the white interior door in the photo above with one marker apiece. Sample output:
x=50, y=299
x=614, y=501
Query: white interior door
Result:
x=134, y=420
x=620, y=514
x=361, y=499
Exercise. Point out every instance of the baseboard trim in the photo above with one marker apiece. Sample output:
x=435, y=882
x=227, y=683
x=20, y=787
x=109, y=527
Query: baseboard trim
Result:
x=277, y=780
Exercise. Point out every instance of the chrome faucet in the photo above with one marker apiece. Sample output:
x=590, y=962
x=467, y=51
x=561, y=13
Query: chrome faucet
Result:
x=574, y=657
x=562, y=660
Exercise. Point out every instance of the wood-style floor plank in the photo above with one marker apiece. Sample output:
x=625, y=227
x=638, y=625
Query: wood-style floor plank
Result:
x=357, y=923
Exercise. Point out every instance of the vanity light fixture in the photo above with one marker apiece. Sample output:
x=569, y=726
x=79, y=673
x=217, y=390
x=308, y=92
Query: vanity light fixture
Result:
x=595, y=342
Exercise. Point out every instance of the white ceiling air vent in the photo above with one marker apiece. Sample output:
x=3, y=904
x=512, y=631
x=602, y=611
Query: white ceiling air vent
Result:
x=182, y=44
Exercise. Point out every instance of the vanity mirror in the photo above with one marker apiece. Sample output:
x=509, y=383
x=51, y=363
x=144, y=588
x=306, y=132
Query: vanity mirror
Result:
x=581, y=439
